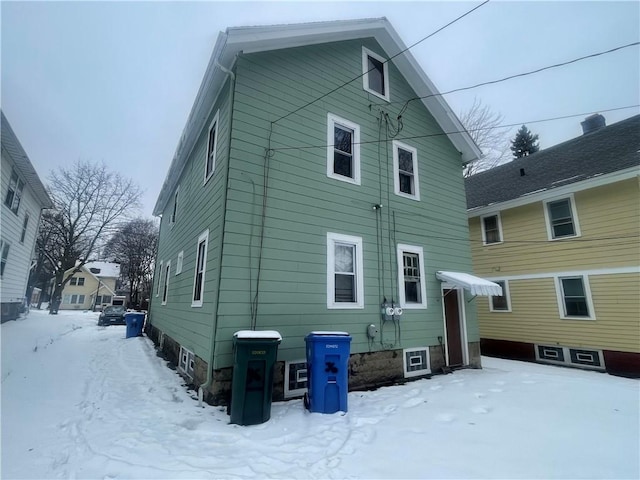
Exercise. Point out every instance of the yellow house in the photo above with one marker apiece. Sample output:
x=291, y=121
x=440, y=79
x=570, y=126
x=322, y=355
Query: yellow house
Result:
x=93, y=286
x=560, y=232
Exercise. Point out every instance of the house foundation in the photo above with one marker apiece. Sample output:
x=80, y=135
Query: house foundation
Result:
x=367, y=371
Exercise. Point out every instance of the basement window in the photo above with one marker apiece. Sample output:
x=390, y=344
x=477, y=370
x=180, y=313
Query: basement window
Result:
x=186, y=362
x=295, y=374
x=416, y=361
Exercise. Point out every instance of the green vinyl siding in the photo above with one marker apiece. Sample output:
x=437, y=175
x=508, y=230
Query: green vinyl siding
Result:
x=303, y=204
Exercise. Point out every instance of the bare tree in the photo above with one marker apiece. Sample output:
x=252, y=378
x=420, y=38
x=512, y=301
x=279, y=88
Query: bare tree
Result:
x=134, y=247
x=90, y=202
x=484, y=126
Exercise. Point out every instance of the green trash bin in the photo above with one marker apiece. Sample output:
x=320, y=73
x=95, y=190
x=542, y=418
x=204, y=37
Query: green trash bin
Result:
x=254, y=356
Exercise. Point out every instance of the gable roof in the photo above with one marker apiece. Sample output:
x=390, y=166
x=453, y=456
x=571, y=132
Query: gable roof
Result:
x=12, y=146
x=106, y=269
x=261, y=39
x=605, y=151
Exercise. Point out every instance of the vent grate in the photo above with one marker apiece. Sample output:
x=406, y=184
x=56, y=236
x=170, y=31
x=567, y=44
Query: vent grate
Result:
x=416, y=362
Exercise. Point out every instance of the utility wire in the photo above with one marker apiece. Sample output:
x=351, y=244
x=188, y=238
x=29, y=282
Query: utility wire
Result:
x=516, y=124
x=524, y=74
x=386, y=61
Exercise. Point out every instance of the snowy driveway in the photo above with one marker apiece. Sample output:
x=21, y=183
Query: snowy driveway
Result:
x=81, y=401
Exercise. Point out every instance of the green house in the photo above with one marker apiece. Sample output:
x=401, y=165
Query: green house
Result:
x=317, y=186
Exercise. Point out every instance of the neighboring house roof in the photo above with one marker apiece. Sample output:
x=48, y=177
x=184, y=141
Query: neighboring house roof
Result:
x=106, y=269
x=605, y=151
x=22, y=163
x=261, y=39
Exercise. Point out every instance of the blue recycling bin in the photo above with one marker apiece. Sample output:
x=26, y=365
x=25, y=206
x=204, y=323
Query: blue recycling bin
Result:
x=327, y=371
x=135, y=323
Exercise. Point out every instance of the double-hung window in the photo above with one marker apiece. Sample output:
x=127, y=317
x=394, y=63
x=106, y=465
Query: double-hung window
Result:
x=574, y=298
x=25, y=224
x=500, y=303
x=343, y=152
x=491, y=229
x=561, y=218
x=159, y=279
x=212, y=144
x=165, y=285
x=345, y=274
x=411, y=277
x=4, y=255
x=14, y=192
x=179, y=263
x=201, y=264
x=375, y=74
x=174, y=210
x=405, y=170
x=80, y=281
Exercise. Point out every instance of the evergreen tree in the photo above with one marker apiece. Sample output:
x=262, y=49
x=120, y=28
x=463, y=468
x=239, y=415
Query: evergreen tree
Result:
x=524, y=143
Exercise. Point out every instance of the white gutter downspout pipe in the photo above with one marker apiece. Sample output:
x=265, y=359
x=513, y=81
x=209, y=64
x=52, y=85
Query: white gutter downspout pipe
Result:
x=214, y=326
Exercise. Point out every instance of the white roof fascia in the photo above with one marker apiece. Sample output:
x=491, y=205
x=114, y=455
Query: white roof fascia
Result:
x=541, y=195
x=266, y=38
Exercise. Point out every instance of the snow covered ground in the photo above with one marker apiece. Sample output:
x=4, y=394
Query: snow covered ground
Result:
x=81, y=401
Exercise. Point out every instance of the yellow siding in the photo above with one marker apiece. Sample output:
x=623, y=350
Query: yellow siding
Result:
x=535, y=318
x=609, y=219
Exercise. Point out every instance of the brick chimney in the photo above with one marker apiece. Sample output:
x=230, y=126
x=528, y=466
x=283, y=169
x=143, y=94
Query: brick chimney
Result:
x=593, y=123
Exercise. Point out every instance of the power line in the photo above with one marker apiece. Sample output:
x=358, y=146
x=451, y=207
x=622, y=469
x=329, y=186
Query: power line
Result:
x=386, y=61
x=516, y=124
x=524, y=74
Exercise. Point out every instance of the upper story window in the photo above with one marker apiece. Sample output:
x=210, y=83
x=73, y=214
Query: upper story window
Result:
x=561, y=218
x=343, y=152
x=574, y=297
x=405, y=171
x=14, y=192
x=79, y=281
x=179, y=262
x=375, y=78
x=174, y=210
x=201, y=264
x=412, y=288
x=491, y=229
x=501, y=303
x=345, y=274
x=25, y=224
x=212, y=144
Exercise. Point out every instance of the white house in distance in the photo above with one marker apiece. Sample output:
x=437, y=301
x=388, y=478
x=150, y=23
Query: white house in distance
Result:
x=23, y=199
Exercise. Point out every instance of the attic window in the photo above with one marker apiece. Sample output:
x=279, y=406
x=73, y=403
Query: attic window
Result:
x=94, y=270
x=375, y=74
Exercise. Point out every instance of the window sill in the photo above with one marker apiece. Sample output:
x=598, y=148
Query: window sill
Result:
x=578, y=318
x=485, y=244
x=414, y=306
x=345, y=306
x=407, y=196
x=353, y=181
x=377, y=94
x=196, y=305
x=559, y=239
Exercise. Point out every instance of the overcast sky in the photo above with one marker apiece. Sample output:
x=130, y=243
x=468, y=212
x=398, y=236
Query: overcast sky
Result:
x=115, y=81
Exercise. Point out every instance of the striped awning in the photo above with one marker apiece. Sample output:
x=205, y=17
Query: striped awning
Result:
x=475, y=285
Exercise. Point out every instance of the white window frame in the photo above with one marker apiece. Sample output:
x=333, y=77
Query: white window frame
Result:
x=332, y=240
x=560, y=296
x=416, y=373
x=365, y=73
x=186, y=362
x=179, y=262
x=484, y=231
x=25, y=225
x=574, y=217
x=174, y=211
x=165, y=285
x=66, y=299
x=401, y=249
x=332, y=121
x=4, y=255
x=14, y=192
x=214, y=151
x=159, y=279
x=81, y=299
x=204, y=237
x=396, y=170
x=298, y=392
x=505, y=293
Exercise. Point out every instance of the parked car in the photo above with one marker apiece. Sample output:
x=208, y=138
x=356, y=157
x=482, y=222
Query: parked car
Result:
x=112, y=315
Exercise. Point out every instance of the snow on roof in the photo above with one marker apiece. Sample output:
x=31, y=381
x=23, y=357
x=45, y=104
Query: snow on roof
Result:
x=106, y=269
x=271, y=334
x=322, y=332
